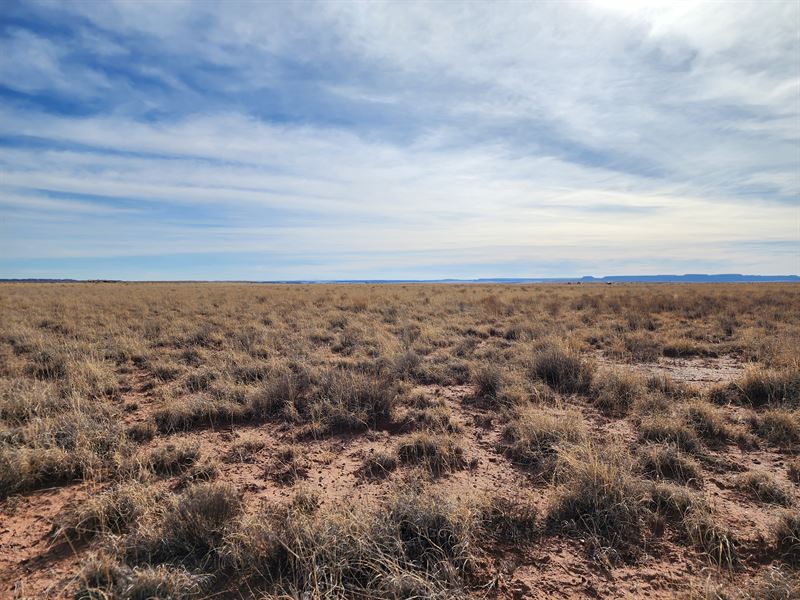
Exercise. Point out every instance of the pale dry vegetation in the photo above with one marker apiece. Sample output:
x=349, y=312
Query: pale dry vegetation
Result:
x=398, y=441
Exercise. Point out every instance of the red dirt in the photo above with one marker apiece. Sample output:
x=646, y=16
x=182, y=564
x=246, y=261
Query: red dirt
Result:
x=553, y=567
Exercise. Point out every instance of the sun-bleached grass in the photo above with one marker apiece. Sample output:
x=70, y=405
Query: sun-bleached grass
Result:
x=667, y=461
x=533, y=436
x=764, y=487
x=97, y=382
x=438, y=453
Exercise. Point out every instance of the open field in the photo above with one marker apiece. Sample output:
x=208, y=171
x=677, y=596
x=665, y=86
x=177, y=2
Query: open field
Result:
x=399, y=441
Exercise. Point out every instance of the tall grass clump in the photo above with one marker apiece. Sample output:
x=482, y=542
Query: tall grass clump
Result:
x=533, y=436
x=600, y=498
x=562, y=368
x=614, y=391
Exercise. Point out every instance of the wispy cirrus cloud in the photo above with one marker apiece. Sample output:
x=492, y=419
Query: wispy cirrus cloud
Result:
x=358, y=140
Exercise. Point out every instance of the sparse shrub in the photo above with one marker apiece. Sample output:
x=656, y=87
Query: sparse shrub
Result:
x=171, y=458
x=669, y=430
x=778, y=426
x=667, y=461
x=533, y=436
x=562, y=369
x=760, y=387
x=793, y=470
x=763, y=487
x=379, y=464
x=110, y=511
x=614, y=391
x=192, y=529
x=786, y=532
x=438, y=453
x=196, y=411
x=601, y=498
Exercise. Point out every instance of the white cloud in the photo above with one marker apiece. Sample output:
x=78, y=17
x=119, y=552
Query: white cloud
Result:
x=500, y=132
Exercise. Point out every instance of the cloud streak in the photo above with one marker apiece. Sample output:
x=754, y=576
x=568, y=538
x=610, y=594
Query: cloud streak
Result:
x=360, y=140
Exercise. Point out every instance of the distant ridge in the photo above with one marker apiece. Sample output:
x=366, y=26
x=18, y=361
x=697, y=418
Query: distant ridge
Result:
x=688, y=278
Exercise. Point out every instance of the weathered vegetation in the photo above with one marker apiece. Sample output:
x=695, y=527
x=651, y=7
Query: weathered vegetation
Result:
x=399, y=441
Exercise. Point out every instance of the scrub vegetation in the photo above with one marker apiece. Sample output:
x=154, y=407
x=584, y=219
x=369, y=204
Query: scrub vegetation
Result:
x=399, y=441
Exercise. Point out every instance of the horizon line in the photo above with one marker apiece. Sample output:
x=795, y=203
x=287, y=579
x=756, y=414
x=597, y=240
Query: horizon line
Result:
x=643, y=278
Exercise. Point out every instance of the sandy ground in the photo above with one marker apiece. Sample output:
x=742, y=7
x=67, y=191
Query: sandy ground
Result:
x=31, y=566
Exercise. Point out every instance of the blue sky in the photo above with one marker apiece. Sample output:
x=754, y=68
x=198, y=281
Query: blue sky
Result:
x=188, y=140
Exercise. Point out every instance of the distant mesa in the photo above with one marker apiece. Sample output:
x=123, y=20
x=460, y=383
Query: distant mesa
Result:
x=609, y=279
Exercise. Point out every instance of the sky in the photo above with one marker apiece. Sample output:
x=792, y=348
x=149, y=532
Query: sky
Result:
x=400, y=140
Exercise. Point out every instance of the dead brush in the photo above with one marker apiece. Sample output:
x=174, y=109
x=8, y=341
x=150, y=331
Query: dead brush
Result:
x=665, y=385
x=669, y=429
x=111, y=511
x=171, y=458
x=415, y=544
x=716, y=541
x=190, y=530
x=793, y=470
x=22, y=401
x=600, y=498
x=437, y=419
x=689, y=511
x=710, y=423
x=83, y=442
x=378, y=465
x=104, y=577
x=667, y=461
x=143, y=431
x=562, y=368
x=288, y=466
x=773, y=583
x=350, y=400
x=488, y=380
x=437, y=453
x=513, y=519
x=186, y=413
x=533, y=436
x=763, y=487
x=614, y=391
x=786, y=533
x=780, y=427
x=244, y=450
x=761, y=387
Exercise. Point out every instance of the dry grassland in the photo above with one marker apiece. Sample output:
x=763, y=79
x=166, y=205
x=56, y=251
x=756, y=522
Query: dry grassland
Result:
x=399, y=441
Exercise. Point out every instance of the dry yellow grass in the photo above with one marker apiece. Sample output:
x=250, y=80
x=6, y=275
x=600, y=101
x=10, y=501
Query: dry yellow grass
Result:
x=199, y=439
